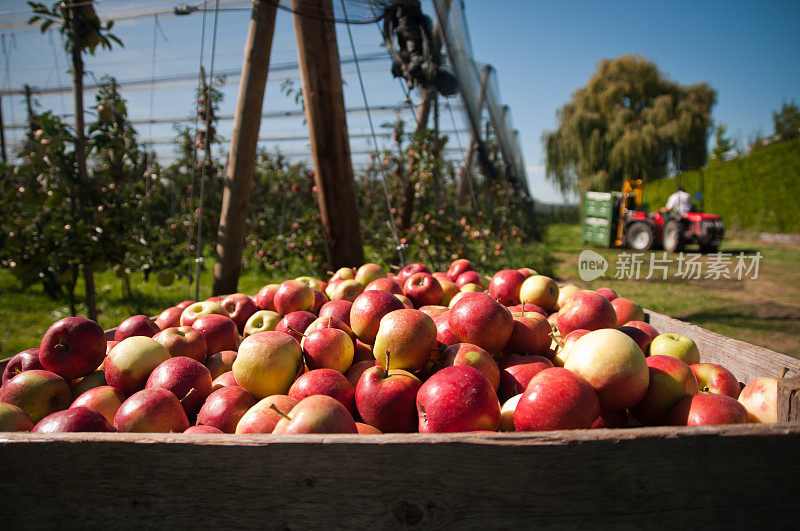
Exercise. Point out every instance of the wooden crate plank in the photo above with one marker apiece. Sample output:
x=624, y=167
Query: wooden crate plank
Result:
x=678, y=478
x=789, y=400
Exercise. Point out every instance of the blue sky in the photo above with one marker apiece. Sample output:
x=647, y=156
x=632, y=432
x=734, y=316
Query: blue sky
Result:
x=748, y=51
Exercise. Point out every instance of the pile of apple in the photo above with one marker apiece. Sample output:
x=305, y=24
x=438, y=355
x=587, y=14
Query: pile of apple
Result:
x=373, y=352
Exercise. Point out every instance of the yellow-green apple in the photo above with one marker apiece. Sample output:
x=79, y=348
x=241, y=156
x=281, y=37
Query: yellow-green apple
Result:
x=385, y=284
x=457, y=399
x=130, y=363
x=468, y=277
x=527, y=271
x=267, y=363
x=608, y=293
x=183, y=341
x=507, y=413
x=221, y=362
x=90, y=381
x=169, y=318
x=188, y=379
x=760, y=399
x=225, y=407
x=219, y=332
x=468, y=355
x=433, y=310
x=526, y=308
x=517, y=371
x=612, y=419
x=444, y=335
x=223, y=380
x=677, y=346
x=203, y=430
x=587, y=310
x=565, y=292
x=354, y=373
x=104, y=399
x=239, y=307
x=340, y=309
x=638, y=335
x=479, y=319
x=409, y=335
x=261, y=417
x=423, y=290
x=261, y=321
x=541, y=291
x=367, y=311
x=706, y=409
x=627, y=310
x=366, y=429
x=369, y=272
x=557, y=399
x=346, y=290
x=73, y=347
x=459, y=266
x=471, y=288
x=316, y=414
x=613, y=364
x=137, y=325
x=449, y=290
x=14, y=418
x=386, y=399
x=194, y=311
x=343, y=273
x=293, y=296
x=531, y=336
x=325, y=382
x=565, y=344
x=312, y=282
x=409, y=270
x=505, y=286
x=716, y=379
x=151, y=411
x=328, y=348
x=670, y=381
x=295, y=324
x=406, y=301
x=647, y=328
x=73, y=420
x=265, y=298
x=24, y=361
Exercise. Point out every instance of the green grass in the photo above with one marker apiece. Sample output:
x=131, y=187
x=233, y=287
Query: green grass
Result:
x=764, y=311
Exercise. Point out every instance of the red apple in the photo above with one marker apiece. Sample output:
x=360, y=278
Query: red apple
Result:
x=409, y=336
x=611, y=419
x=130, y=363
x=37, y=392
x=293, y=296
x=369, y=272
x=73, y=420
x=343, y=273
x=188, y=379
x=13, y=418
x=479, y=319
x=316, y=414
x=670, y=381
x=225, y=407
x=265, y=297
x=433, y=310
x=203, y=430
x=566, y=343
x=387, y=399
x=647, y=328
x=223, y=380
x=183, y=341
x=638, y=335
x=444, y=334
x=468, y=355
x=368, y=309
x=319, y=299
x=354, y=373
x=530, y=335
x=566, y=292
x=138, y=325
x=608, y=293
x=505, y=286
x=340, y=309
x=760, y=399
x=716, y=379
x=73, y=347
x=219, y=332
x=151, y=411
x=449, y=290
x=295, y=324
x=325, y=382
x=24, y=361
x=240, y=307
x=90, y=381
x=366, y=429
x=706, y=409
x=517, y=371
x=468, y=277
x=423, y=290
x=261, y=417
x=406, y=301
x=104, y=399
x=586, y=310
x=267, y=363
x=194, y=311
x=169, y=318
x=557, y=399
x=321, y=323
x=184, y=304
x=525, y=308
x=627, y=310
x=221, y=362
x=459, y=266
x=385, y=284
x=328, y=348
x=409, y=270
x=457, y=399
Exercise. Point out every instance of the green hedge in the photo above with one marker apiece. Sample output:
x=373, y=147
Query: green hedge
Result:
x=758, y=192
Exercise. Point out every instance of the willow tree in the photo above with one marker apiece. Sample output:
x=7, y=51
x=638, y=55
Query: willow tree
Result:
x=629, y=122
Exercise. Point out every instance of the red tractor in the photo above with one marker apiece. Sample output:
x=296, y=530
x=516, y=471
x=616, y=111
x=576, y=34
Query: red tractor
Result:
x=620, y=214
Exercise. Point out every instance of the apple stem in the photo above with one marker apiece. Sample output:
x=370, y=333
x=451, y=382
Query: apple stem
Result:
x=187, y=395
x=523, y=307
x=330, y=321
x=386, y=369
x=291, y=328
x=279, y=412
x=784, y=371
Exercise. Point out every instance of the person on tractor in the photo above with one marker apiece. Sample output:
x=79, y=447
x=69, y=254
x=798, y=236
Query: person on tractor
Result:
x=680, y=203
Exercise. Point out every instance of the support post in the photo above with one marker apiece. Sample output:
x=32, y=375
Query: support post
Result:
x=318, y=57
x=2, y=134
x=409, y=182
x=244, y=142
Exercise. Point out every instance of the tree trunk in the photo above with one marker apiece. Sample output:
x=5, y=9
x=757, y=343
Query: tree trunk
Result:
x=244, y=143
x=80, y=149
x=318, y=56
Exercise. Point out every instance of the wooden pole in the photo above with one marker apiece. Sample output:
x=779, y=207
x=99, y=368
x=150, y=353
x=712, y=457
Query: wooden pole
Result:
x=244, y=141
x=318, y=57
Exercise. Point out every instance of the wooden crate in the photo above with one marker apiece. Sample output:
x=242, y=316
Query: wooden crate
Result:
x=710, y=477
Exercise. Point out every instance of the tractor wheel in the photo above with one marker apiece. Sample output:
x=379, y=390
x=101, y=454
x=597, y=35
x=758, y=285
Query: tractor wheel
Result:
x=710, y=247
x=673, y=237
x=641, y=236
